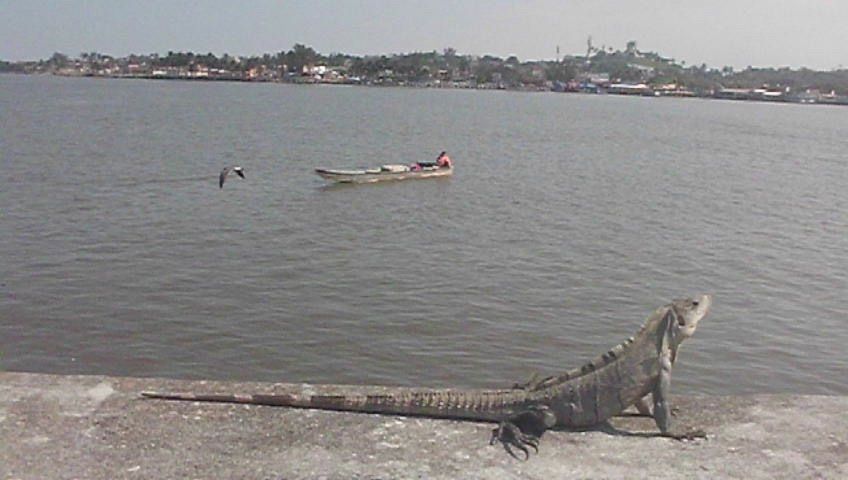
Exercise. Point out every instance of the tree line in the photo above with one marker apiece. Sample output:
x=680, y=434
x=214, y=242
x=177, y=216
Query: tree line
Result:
x=622, y=65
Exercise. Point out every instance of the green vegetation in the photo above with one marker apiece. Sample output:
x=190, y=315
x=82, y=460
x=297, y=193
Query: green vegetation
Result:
x=444, y=68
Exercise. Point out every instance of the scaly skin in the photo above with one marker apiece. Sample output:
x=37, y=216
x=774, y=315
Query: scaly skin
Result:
x=581, y=397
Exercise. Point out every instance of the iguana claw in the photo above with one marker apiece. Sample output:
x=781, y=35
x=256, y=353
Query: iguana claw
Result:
x=511, y=436
x=524, y=429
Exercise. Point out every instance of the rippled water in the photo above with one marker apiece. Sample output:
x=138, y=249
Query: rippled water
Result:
x=569, y=219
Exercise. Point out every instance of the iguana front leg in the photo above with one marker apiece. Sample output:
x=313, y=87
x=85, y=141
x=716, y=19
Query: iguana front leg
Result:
x=524, y=429
x=662, y=408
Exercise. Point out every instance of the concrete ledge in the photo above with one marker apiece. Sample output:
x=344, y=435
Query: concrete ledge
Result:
x=93, y=427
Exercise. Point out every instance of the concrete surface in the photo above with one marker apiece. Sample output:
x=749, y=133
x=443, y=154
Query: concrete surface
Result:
x=93, y=427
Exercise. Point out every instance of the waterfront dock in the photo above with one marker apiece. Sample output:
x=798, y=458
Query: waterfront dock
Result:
x=97, y=427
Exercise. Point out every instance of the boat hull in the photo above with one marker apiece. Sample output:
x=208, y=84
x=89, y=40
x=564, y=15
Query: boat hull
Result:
x=348, y=176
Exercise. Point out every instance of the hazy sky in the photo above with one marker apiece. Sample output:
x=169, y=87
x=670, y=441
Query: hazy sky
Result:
x=739, y=33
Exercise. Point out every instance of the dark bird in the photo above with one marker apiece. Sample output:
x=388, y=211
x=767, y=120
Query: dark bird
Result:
x=226, y=171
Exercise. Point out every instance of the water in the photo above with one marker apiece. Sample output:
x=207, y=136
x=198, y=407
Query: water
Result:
x=569, y=219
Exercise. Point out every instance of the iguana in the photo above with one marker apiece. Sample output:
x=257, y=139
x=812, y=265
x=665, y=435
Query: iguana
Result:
x=582, y=397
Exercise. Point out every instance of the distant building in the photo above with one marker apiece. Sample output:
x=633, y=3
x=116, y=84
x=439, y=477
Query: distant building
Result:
x=770, y=94
x=630, y=89
x=733, y=94
x=599, y=79
x=807, y=96
x=672, y=90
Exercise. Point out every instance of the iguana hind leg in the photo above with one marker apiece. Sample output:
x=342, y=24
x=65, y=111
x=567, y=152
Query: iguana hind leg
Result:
x=524, y=430
x=511, y=436
x=535, y=382
x=645, y=406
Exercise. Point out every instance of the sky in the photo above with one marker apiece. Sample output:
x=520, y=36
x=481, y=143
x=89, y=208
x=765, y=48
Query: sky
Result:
x=737, y=33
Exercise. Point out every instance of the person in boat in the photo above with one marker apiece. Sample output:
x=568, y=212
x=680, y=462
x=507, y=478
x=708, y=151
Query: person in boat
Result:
x=442, y=161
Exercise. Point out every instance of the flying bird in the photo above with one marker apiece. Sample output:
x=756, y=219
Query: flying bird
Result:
x=239, y=171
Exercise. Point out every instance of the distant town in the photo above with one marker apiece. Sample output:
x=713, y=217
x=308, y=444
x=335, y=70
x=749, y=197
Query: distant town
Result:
x=601, y=70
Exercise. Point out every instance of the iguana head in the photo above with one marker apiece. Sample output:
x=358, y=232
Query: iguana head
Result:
x=686, y=314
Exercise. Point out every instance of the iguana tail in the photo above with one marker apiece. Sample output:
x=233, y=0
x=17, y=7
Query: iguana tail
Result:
x=452, y=404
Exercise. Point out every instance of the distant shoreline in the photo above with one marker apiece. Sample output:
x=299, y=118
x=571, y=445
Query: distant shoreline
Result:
x=744, y=95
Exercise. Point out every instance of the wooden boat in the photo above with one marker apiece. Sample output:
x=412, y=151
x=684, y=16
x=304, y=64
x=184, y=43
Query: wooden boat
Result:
x=383, y=173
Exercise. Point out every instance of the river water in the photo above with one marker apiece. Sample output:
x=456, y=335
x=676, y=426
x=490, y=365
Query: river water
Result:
x=569, y=219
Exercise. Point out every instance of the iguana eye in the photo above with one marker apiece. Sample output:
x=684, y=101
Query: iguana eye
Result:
x=694, y=303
